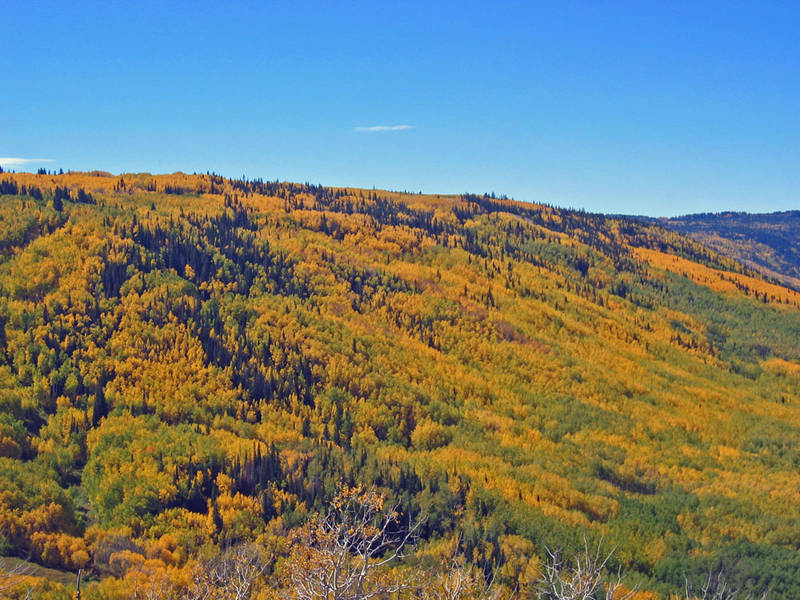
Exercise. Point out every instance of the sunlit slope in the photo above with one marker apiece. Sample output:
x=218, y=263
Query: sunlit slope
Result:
x=207, y=358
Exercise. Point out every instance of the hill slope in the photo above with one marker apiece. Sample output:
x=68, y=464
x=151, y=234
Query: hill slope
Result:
x=190, y=361
x=769, y=243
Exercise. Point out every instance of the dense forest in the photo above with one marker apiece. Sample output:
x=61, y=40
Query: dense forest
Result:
x=767, y=242
x=191, y=365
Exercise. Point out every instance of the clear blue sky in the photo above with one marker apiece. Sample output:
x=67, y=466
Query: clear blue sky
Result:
x=654, y=108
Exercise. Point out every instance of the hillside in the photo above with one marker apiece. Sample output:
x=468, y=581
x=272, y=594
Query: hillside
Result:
x=189, y=362
x=769, y=243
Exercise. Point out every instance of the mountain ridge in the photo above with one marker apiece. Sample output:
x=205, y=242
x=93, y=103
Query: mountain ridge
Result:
x=767, y=242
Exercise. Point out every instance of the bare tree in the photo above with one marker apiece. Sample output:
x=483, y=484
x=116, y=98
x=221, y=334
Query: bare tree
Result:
x=12, y=577
x=345, y=554
x=459, y=582
x=586, y=578
x=717, y=587
x=233, y=575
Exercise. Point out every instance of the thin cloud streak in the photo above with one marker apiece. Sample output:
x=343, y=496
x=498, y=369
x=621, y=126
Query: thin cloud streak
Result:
x=12, y=161
x=380, y=128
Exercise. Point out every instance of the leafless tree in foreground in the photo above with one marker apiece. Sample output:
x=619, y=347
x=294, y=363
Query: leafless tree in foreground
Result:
x=346, y=554
x=12, y=576
x=459, y=581
x=717, y=587
x=583, y=579
x=234, y=575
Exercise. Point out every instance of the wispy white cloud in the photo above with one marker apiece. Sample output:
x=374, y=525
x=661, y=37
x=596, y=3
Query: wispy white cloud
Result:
x=13, y=161
x=380, y=128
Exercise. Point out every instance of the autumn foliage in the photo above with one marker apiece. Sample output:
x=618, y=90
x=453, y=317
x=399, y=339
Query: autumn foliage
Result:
x=191, y=364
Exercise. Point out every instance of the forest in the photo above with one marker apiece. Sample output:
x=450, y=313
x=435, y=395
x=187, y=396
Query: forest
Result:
x=197, y=372
x=767, y=242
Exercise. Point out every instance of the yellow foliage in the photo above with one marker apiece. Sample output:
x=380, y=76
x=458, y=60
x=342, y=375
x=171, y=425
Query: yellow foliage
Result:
x=718, y=280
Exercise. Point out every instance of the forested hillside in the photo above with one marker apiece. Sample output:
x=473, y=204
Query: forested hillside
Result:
x=189, y=362
x=767, y=242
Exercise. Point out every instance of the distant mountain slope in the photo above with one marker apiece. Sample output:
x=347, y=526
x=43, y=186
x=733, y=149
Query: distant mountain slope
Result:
x=188, y=362
x=767, y=242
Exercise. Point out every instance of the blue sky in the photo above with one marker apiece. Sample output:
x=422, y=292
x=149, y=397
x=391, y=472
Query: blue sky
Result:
x=654, y=108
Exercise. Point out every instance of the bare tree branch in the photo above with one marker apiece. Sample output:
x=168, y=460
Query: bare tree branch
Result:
x=345, y=554
x=13, y=576
x=716, y=586
x=459, y=581
x=233, y=575
x=584, y=579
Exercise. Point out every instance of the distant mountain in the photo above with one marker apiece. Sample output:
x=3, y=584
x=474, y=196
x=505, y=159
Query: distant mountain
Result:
x=769, y=243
